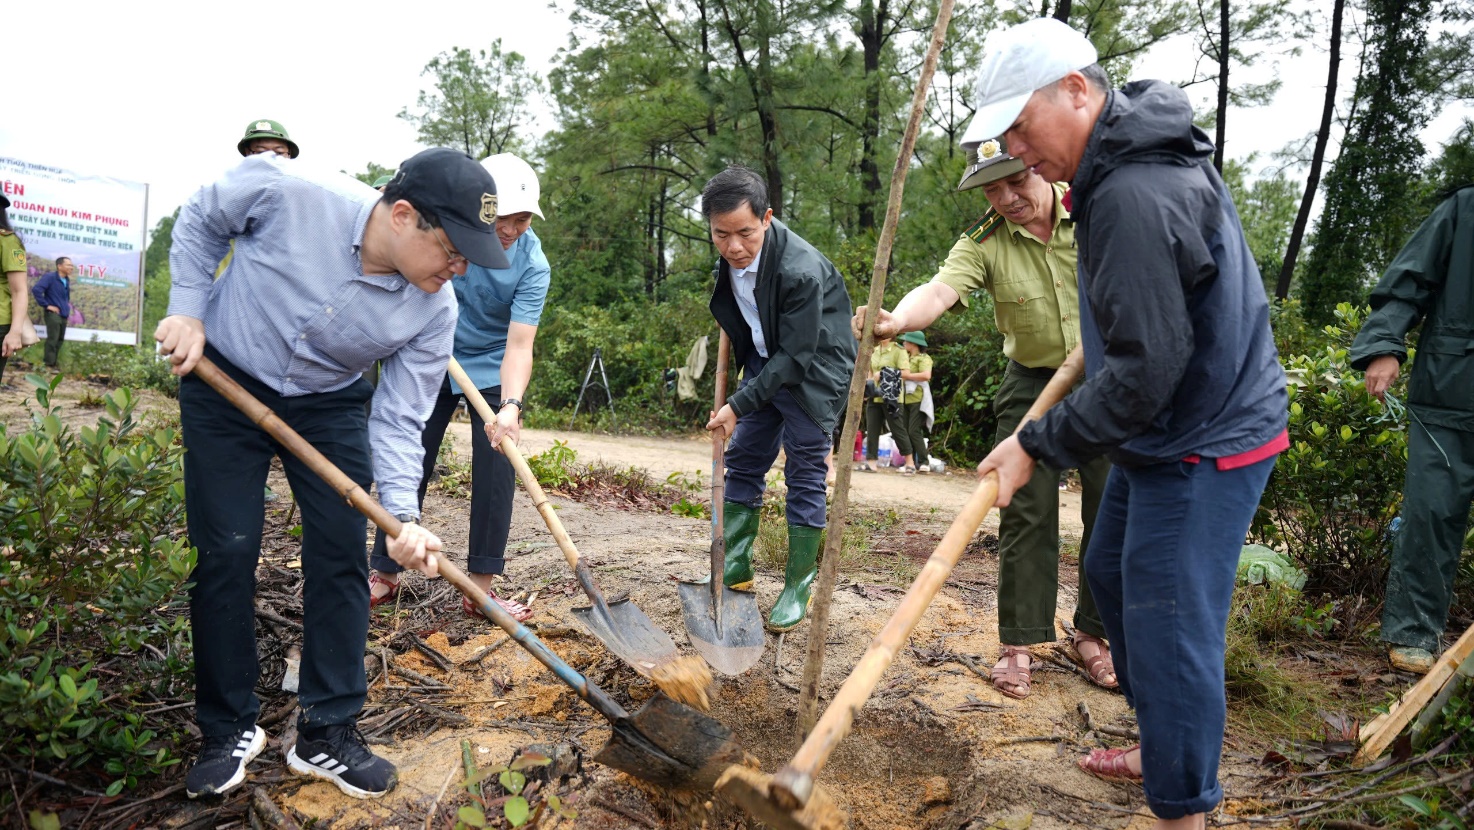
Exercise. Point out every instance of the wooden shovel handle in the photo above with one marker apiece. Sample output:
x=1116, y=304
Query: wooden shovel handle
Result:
x=263, y=417
x=524, y=472
x=794, y=783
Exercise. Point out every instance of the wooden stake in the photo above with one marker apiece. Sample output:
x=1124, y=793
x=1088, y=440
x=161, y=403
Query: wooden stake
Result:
x=808, y=699
x=1381, y=731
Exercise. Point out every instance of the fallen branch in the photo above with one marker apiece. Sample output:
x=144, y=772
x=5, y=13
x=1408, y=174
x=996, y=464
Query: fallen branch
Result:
x=1090, y=726
x=453, y=718
x=268, y=814
x=440, y=660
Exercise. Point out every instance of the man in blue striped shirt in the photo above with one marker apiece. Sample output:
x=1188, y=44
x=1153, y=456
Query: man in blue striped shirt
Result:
x=327, y=277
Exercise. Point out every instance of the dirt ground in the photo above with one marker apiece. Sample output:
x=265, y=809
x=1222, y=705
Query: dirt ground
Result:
x=936, y=746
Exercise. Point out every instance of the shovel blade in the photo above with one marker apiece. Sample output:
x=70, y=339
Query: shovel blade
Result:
x=740, y=642
x=632, y=637
x=671, y=745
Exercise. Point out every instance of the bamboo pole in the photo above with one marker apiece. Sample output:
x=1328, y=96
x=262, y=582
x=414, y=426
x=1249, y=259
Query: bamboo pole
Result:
x=808, y=703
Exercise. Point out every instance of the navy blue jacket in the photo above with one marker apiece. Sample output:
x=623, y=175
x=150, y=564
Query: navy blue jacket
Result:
x=1179, y=358
x=53, y=290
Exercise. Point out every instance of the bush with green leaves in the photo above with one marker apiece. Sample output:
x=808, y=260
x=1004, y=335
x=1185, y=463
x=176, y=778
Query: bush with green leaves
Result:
x=1334, y=492
x=113, y=364
x=91, y=579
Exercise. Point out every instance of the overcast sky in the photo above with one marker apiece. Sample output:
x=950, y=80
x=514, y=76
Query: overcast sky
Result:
x=160, y=91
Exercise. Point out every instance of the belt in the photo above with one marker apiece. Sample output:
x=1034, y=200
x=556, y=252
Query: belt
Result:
x=1017, y=368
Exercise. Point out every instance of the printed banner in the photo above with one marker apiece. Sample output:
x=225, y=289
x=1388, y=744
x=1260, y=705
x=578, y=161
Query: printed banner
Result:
x=99, y=224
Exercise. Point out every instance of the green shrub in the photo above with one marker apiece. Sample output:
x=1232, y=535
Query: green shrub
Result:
x=90, y=573
x=1336, y=489
x=113, y=364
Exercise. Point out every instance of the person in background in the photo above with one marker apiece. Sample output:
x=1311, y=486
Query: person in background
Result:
x=917, y=379
x=266, y=136
x=1426, y=287
x=879, y=415
x=13, y=298
x=499, y=312
x=53, y=294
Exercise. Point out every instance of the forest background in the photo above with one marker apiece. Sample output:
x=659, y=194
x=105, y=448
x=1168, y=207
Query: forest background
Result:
x=650, y=99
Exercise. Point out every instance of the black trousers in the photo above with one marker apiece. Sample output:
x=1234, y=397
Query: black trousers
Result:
x=493, y=486
x=56, y=332
x=225, y=465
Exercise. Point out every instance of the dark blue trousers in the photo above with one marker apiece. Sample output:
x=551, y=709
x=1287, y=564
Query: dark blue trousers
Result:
x=1161, y=566
x=493, y=486
x=754, y=447
x=226, y=460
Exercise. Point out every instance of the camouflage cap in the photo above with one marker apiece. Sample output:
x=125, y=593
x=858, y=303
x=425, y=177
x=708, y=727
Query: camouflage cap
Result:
x=988, y=162
x=266, y=128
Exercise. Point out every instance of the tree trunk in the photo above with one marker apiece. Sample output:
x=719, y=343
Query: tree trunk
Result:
x=1062, y=11
x=1317, y=159
x=1223, y=55
x=766, y=112
x=872, y=40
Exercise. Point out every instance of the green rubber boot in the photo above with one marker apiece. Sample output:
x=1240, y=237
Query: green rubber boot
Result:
x=803, y=557
x=739, y=530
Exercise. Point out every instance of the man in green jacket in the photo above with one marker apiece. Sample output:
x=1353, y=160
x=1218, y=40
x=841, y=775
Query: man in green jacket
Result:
x=785, y=309
x=1430, y=281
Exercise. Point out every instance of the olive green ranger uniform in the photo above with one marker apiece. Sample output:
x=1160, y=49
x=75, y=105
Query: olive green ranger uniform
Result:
x=1036, y=306
x=877, y=420
x=1431, y=280
x=12, y=258
x=912, y=416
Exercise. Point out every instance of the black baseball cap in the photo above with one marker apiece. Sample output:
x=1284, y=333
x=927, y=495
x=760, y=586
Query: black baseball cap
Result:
x=460, y=194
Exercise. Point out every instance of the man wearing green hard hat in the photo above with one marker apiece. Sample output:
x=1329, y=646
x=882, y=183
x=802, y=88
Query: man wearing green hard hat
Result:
x=267, y=136
x=1022, y=251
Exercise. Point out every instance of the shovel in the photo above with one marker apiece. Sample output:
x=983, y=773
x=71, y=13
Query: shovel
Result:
x=788, y=799
x=724, y=625
x=664, y=743
x=621, y=626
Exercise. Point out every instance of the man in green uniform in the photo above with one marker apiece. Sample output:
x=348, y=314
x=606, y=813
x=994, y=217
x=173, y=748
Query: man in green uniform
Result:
x=13, y=295
x=885, y=355
x=914, y=420
x=1022, y=251
x=1431, y=280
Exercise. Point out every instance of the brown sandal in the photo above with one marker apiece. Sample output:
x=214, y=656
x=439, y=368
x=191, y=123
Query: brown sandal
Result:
x=376, y=579
x=1099, y=666
x=519, y=612
x=1110, y=765
x=1009, y=677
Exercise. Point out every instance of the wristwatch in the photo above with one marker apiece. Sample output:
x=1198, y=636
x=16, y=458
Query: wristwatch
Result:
x=408, y=518
x=517, y=402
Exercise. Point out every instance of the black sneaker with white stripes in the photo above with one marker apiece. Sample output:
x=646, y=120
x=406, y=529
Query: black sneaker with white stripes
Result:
x=222, y=762
x=340, y=755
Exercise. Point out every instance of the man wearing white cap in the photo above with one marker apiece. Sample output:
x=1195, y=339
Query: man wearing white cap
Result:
x=1184, y=391
x=499, y=312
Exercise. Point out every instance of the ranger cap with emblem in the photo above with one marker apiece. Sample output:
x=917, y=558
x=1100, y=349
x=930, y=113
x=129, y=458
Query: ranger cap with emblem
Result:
x=450, y=186
x=517, y=190
x=266, y=129
x=1016, y=62
x=988, y=162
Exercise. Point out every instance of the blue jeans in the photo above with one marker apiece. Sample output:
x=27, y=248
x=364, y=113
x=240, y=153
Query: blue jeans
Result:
x=1161, y=566
x=754, y=447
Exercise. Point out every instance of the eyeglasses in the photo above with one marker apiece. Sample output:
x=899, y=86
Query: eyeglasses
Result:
x=455, y=259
